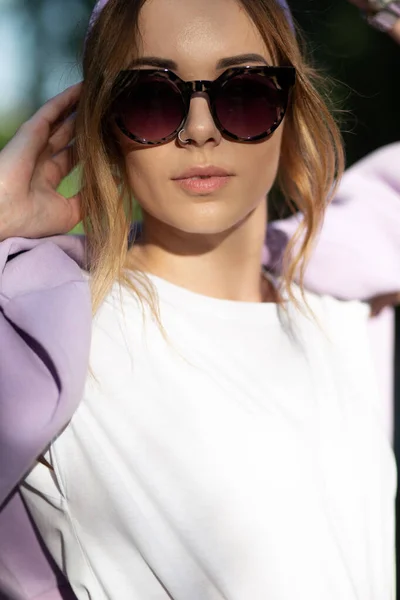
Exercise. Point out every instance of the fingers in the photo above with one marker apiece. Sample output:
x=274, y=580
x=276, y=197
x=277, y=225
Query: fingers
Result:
x=60, y=152
x=65, y=161
x=63, y=136
x=55, y=108
x=379, y=303
x=72, y=214
x=32, y=138
x=59, y=216
x=75, y=211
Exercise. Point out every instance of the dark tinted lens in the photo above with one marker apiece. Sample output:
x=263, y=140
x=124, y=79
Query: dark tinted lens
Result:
x=150, y=108
x=250, y=105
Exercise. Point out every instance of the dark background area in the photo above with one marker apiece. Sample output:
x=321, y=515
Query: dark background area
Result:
x=366, y=64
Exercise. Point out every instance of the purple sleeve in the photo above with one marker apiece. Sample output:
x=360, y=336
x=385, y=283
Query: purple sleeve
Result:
x=357, y=255
x=26, y=569
x=45, y=331
x=45, y=328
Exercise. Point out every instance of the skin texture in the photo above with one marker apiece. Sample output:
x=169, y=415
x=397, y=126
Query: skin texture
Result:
x=210, y=244
x=32, y=166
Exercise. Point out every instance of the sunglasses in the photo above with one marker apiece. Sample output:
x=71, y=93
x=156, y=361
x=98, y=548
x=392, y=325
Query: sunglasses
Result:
x=150, y=106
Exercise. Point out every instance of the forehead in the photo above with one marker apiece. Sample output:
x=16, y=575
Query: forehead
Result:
x=197, y=33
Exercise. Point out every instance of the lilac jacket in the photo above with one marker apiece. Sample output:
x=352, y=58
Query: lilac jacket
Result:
x=45, y=333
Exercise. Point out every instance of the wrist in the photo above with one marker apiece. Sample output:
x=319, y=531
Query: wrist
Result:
x=384, y=15
x=395, y=32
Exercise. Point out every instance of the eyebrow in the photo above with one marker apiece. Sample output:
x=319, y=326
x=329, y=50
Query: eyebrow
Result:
x=224, y=63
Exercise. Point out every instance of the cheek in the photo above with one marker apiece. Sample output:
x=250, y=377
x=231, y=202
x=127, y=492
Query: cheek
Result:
x=147, y=170
x=260, y=164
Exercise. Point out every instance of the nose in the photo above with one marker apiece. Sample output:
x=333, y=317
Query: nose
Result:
x=200, y=127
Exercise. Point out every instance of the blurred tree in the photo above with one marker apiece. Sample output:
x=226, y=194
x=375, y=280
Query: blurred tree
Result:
x=58, y=30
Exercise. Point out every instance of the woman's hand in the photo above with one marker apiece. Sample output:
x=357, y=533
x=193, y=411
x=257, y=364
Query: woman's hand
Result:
x=32, y=165
x=365, y=6
x=380, y=302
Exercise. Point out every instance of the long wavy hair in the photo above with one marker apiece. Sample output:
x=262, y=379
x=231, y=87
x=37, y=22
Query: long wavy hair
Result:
x=311, y=163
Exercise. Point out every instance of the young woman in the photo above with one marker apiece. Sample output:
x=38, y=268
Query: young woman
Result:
x=228, y=443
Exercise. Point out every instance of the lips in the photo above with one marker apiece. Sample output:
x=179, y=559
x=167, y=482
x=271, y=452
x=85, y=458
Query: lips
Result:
x=203, y=172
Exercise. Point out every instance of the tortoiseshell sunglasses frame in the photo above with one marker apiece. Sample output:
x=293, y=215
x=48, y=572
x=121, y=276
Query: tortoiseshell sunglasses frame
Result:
x=283, y=78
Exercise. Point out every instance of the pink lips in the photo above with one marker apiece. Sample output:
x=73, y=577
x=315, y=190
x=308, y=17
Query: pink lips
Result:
x=203, y=180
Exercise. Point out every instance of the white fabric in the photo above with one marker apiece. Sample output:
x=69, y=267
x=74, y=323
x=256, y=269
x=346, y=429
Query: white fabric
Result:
x=243, y=458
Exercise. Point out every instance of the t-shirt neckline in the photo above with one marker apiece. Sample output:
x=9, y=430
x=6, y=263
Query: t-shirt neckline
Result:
x=187, y=300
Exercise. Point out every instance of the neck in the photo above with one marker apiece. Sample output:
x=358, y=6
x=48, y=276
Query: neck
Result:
x=225, y=266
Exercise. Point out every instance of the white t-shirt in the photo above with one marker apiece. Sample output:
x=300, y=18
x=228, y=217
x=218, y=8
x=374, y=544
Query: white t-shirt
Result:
x=242, y=458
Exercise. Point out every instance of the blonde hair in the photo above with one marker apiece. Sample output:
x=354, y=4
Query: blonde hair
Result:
x=311, y=163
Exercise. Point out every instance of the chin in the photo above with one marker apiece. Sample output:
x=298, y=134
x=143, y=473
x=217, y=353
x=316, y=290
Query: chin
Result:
x=209, y=224
x=211, y=216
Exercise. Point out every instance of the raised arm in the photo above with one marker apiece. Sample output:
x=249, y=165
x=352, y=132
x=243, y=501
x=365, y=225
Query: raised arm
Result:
x=357, y=255
x=45, y=325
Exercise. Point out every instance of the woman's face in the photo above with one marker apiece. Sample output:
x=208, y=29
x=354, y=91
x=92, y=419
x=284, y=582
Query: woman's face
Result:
x=196, y=35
